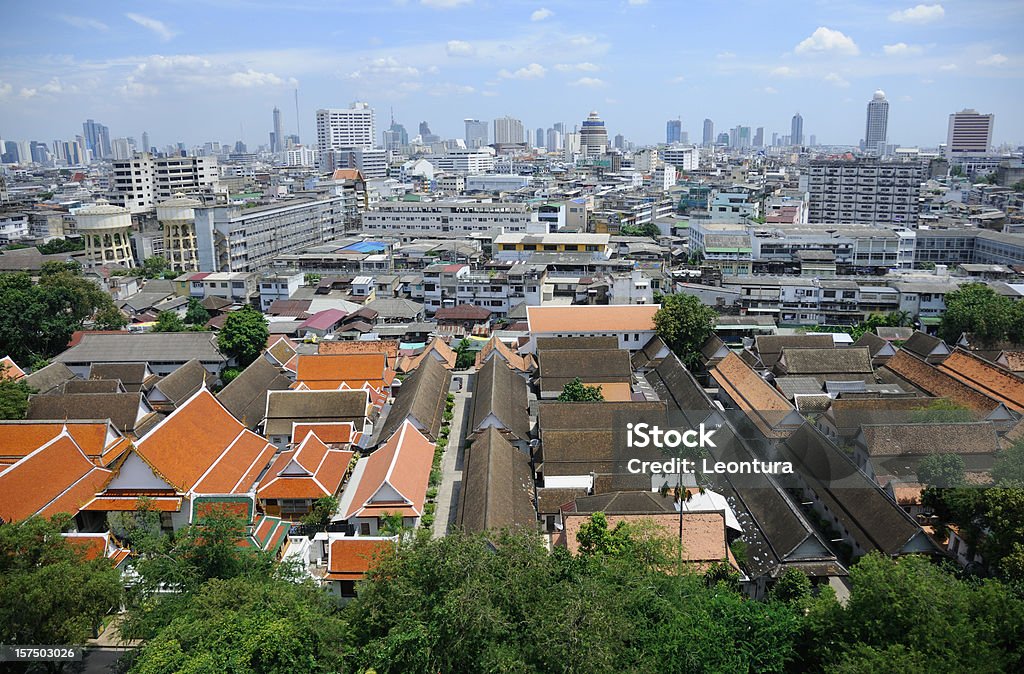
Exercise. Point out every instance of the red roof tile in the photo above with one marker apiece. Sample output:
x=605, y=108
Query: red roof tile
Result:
x=395, y=476
x=351, y=558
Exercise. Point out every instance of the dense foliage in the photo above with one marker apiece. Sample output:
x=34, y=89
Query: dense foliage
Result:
x=575, y=391
x=13, y=396
x=893, y=319
x=989, y=318
x=244, y=335
x=196, y=313
x=685, y=324
x=38, y=319
x=58, y=246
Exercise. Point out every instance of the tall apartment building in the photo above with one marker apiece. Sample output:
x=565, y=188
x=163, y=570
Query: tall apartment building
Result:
x=458, y=217
x=508, y=130
x=234, y=239
x=796, y=134
x=140, y=182
x=876, y=131
x=97, y=139
x=969, y=133
x=673, y=131
x=863, y=191
x=709, y=133
x=476, y=133
x=593, y=136
x=344, y=128
x=368, y=161
x=683, y=157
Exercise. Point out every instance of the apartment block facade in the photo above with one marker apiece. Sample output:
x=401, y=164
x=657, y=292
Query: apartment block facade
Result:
x=864, y=191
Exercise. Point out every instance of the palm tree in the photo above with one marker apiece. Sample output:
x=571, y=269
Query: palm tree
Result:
x=901, y=319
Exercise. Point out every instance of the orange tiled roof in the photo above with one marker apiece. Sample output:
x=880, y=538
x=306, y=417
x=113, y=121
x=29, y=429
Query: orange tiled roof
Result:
x=514, y=360
x=351, y=558
x=938, y=383
x=436, y=349
x=389, y=347
x=18, y=438
x=765, y=406
x=310, y=471
x=56, y=477
x=329, y=372
x=331, y=433
x=9, y=369
x=592, y=318
x=993, y=381
x=167, y=504
x=402, y=464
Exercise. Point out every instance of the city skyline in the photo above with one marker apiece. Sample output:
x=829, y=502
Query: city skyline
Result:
x=214, y=73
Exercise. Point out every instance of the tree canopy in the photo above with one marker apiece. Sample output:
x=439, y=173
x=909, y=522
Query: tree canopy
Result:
x=13, y=396
x=196, y=313
x=977, y=309
x=168, y=321
x=685, y=324
x=575, y=391
x=941, y=470
x=243, y=335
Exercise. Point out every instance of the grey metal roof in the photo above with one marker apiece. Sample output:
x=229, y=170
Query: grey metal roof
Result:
x=154, y=347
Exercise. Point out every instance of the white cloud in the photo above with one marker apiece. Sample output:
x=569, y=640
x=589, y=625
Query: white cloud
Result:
x=83, y=22
x=586, y=66
x=678, y=79
x=159, y=27
x=918, y=14
x=459, y=48
x=449, y=89
x=782, y=71
x=28, y=93
x=588, y=82
x=994, y=60
x=948, y=67
x=385, y=66
x=827, y=40
x=582, y=40
x=530, y=72
x=901, y=49
x=253, y=78
x=637, y=3
x=725, y=55
x=188, y=73
x=836, y=79
x=54, y=86
x=489, y=94
x=541, y=14
x=767, y=90
x=5, y=89
x=444, y=4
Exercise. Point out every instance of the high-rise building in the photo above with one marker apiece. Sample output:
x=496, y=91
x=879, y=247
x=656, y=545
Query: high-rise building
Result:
x=796, y=134
x=593, y=136
x=877, y=123
x=865, y=191
x=145, y=142
x=539, y=137
x=97, y=139
x=121, y=149
x=674, y=131
x=508, y=130
x=683, y=157
x=427, y=136
x=139, y=182
x=619, y=143
x=571, y=145
x=759, y=137
x=775, y=138
x=554, y=140
x=969, y=133
x=396, y=137
x=344, y=129
x=476, y=133
x=277, y=135
x=723, y=139
x=740, y=137
x=709, y=133
x=813, y=140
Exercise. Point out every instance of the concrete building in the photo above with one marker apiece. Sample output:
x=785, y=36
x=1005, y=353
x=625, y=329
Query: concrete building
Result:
x=593, y=136
x=107, y=231
x=476, y=133
x=863, y=191
x=673, y=131
x=235, y=239
x=969, y=133
x=178, y=219
x=464, y=161
x=277, y=135
x=279, y=286
x=519, y=247
x=708, y=137
x=344, y=129
x=140, y=182
x=683, y=157
x=796, y=134
x=457, y=217
x=876, y=129
x=369, y=162
x=97, y=139
x=508, y=130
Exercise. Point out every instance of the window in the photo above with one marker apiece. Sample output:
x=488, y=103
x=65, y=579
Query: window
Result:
x=364, y=528
x=348, y=588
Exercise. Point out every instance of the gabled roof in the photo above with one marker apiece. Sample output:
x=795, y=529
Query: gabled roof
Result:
x=179, y=385
x=852, y=360
x=926, y=439
x=394, y=477
x=326, y=372
x=133, y=376
x=280, y=349
x=558, y=367
x=501, y=397
x=129, y=412
x=246, y=395
x=143, y=348
x=389, y=347
x=615, y=318
x=50, y=377
x=769, y=347
x=99, y=440
x=350, y=558
x=323, y=320
x=849, y=414
x=200, y=447
x=926, y=347
x=764, y=406
x=56, y=477
x=310, y=471
x=495, y=346
x=938, y=383
x=993, y=381
x=438, y=350
x=332, y=433
x=876, y=346
x=394, y=307
x=497, y=486
x=287, y=407
x=421, y=398
x=894, y=334
x=9, y=369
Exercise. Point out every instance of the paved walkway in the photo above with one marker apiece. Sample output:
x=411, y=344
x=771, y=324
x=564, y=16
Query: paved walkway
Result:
x=452, y=460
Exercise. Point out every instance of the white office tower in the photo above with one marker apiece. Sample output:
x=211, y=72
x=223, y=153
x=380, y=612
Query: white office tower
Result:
x=476, y=133
x=877, y=123
x=593, y=136
x=140, y=182
x=107, y=232
x=554, y=140
x=683, y=157
x=572, y=146
x=344, y=129
x=177, y=215
x=969, y=133
x=508, y=130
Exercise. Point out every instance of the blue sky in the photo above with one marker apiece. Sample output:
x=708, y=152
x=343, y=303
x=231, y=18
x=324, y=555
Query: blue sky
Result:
x=213, y=71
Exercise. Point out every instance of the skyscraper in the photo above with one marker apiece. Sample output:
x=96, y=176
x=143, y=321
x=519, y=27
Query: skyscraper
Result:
x=277, y=137
x=344, y=128
x=593, y=136
x=619, y=142
x=759, y=137
x=877, y=124
x=396, y=137
x=673, y=131
x=969, y=133
x=508, y=130
x=476, y=133
x=97, y=138
x=426, y=135
x=554, y=140
x=539, y=137
x=145, y=141
x=796, y=133
x=709, y=132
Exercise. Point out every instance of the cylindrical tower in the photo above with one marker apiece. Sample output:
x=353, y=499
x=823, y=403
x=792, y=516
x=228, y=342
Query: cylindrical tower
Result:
x=107, y=231
x=177, y=215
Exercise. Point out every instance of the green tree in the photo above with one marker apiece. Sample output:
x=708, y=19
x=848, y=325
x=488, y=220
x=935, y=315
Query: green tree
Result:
x=464, y=357
x=110, y=318
x=168, y=321
x=576, y=391
x=941, y=470
x=685, y=324
x=58, y=246
x=13, y=396
x=941, y=411
x=975, y=308
x=1008, y=468
x=595, y=538
x=322, y=512
x=196, y=313
x=244, y=335
x=154, y=267
x=793, y=586
x=49, y=592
